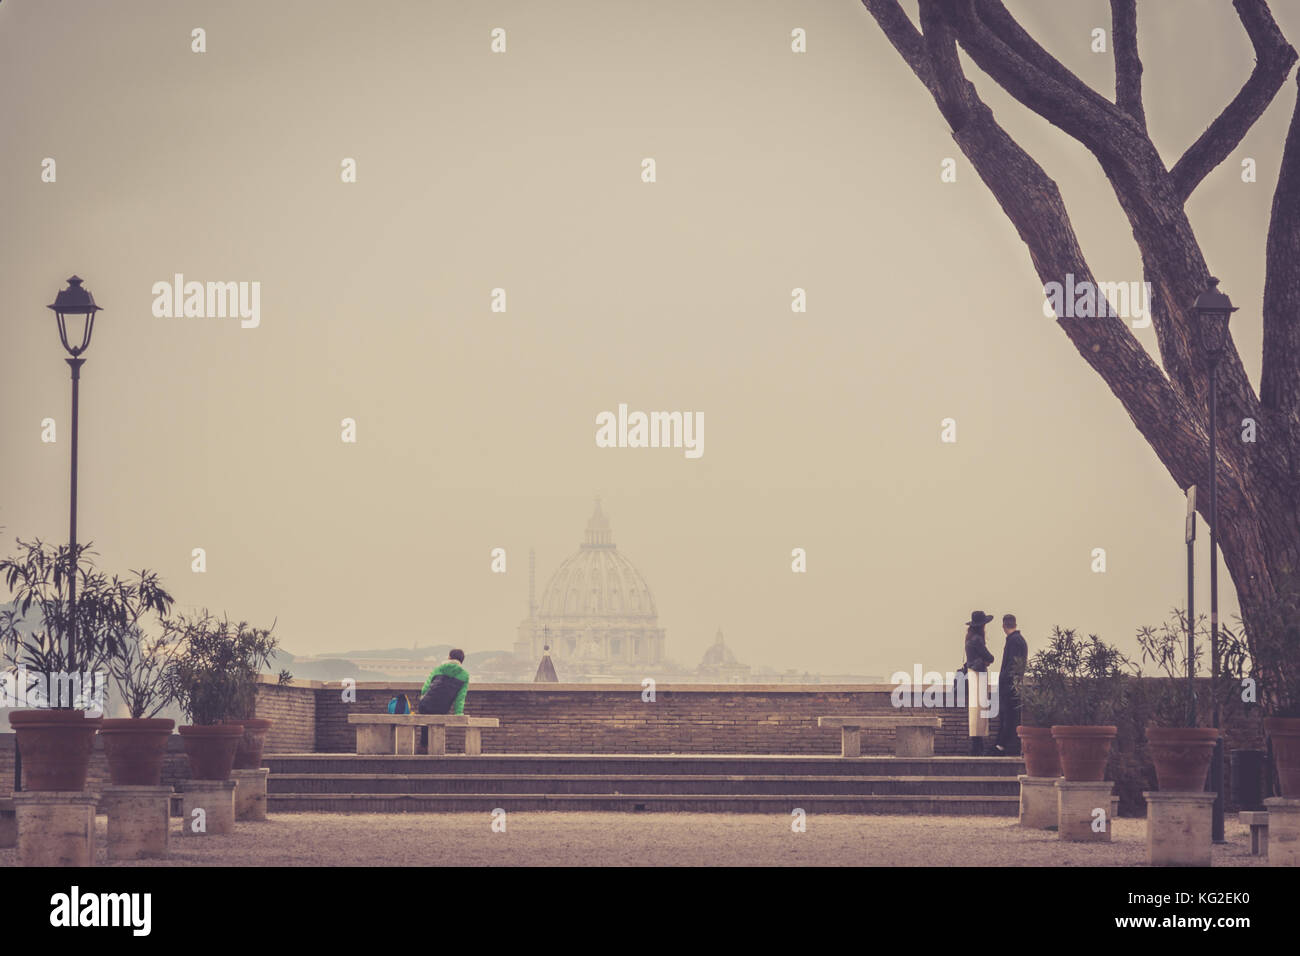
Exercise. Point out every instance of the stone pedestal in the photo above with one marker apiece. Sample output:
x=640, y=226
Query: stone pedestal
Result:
x=8, y=825
x=56, y=827
x=404, y=739
x=1179, y=827
x=250, y=793
x=437, y=739
x=473, y=741
x=139, y=821
x=1077, y=803
x=375, y=739
x=1039, y=804
x=1283, y=831
x=216, y=798
x=913, y=741
x=1257, y=820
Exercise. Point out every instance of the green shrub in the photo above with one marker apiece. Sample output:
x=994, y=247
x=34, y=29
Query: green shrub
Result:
x=1074, y=681
x=214, y=672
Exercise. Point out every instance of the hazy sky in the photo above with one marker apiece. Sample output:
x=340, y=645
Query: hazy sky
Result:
x=475, y=429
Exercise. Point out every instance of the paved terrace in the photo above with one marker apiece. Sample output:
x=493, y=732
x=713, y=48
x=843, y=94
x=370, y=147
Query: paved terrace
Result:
x=628, y=839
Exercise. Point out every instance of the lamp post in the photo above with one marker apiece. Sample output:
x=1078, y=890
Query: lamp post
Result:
x=1190, y=535
x=1213, y=311
x=70, y=303
x=74, y=301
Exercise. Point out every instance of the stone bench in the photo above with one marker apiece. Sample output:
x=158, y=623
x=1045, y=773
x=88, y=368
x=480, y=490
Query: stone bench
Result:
x=395, y=733
x=1257, y=820
x=913, y=736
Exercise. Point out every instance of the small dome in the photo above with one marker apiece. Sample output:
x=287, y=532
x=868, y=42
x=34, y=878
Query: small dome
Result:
x=719, y=654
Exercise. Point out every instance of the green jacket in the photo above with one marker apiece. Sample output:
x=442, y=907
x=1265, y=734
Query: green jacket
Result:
x=453, y=670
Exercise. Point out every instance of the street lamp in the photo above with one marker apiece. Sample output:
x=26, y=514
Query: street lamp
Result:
x=71, y=306
x=70, y=303
x=1213, y=311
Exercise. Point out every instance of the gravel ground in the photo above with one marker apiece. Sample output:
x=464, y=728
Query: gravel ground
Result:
x=655, y=839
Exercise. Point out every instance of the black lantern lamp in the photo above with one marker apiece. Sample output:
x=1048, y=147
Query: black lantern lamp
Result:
x=1213, y=310
x=74, y=301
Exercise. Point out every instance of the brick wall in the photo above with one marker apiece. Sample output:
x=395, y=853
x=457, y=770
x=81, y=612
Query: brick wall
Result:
x=586, y=718
x=684, y=718
x=293, y=710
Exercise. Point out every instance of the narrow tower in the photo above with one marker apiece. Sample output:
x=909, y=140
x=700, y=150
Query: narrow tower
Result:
x=532, y=584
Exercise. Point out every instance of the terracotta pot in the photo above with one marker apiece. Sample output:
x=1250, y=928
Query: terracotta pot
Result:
x=1041, y=756
x=248, y=756
x=55, y=746
x=1284, y=732
x=1182, y=756
x=1084, y=750
x=135, y=749
x=211, y=749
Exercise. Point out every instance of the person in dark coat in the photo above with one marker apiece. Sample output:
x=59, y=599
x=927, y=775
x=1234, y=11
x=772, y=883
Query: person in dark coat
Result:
x=1015, y=654
x=978, y=660
x=444, y=691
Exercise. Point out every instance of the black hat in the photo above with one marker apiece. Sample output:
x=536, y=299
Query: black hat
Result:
x=978, y=619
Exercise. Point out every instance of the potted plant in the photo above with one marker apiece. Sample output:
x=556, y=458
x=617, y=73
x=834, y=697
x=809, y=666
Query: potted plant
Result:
x=214, y=678
x=64, y=651
x=259, y=652
x=1275, y=659
x=136, y=746
x=1082, y=684
x=1180, y=750
x=1042, y=759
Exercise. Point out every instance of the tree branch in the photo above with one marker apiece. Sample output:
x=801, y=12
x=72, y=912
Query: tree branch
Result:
x=1012, y=58
x=1280, y=377
x=1274, y=58
x=1128, y=67
x=1033, y=203
x=1171, y=259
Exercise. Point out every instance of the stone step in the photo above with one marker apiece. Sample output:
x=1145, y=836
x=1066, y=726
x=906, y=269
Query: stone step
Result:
x=607, y=764
x=947, y=805
x=594, y=784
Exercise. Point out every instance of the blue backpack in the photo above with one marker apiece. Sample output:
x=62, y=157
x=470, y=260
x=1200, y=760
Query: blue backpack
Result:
x=401, y=704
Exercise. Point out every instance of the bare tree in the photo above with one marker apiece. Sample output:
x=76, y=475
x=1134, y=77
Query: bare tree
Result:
x=1259, y=482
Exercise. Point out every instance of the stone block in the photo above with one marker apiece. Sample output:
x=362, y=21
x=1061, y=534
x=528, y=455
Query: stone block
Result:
x=1283, y=831
x=216, y=800
x=1179, y=830
x=1039, y=803
x=139, y=821
x=250, y=793
x=1078, y=801
x=55, y=827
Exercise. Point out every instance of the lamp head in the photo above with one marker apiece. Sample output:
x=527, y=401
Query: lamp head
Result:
x=75, y=301
x=1213, y=310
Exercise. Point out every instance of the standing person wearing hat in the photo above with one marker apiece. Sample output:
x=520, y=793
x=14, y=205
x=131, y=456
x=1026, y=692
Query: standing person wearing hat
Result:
x=978, y=660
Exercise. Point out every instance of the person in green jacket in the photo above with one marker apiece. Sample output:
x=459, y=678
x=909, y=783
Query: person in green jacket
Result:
x=445, y=690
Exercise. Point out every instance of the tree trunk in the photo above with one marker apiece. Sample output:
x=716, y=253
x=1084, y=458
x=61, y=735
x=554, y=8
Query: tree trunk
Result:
x=1258, y=480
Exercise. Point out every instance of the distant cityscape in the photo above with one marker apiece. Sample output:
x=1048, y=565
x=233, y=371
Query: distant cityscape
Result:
x=596, y=620
x=413, y=664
